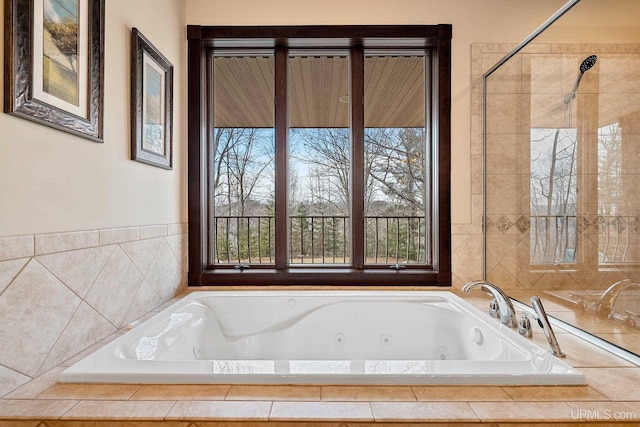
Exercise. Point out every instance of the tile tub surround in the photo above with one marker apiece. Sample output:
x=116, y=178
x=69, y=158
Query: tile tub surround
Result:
x=63, y=292
x=611, y=391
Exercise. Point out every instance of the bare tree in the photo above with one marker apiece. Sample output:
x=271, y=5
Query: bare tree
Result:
x=326, y=153
x=396, y=166
x=242, y=159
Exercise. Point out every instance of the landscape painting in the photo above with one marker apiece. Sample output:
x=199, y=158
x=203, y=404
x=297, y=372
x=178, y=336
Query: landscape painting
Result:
x=60, y=49
x=151, y=103
x=60, y=54
x=153, y=107
x=55, y=62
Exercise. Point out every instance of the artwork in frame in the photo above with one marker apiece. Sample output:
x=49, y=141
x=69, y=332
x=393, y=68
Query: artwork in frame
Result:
x=151, y=103
x=54, y=64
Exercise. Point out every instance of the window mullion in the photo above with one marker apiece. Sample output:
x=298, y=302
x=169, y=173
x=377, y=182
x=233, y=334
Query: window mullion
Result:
x=357, y=156
x=281, y=161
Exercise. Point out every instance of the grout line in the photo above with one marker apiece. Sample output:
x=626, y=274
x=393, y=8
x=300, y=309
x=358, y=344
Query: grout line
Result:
x=18, y=273
x=68, y=410
x=270, y=411
x=66, y=325
x=415, y=396
x=164, y=417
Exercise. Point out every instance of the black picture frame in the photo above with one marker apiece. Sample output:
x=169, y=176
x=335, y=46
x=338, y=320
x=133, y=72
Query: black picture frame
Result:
x=32, y=89
x=151, y=103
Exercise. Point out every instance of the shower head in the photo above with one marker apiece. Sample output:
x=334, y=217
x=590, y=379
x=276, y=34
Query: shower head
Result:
x=586, y=65
x=589, y=62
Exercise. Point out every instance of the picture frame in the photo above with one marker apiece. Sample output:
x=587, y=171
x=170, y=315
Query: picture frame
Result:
x=54, y=64
x=151, y=103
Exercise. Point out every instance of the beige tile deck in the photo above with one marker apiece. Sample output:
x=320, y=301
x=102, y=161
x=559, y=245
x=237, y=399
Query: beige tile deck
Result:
x=522, y=411
x=38, y=409
x=554, y=393
x=90, y=391
x=181, y=392
x=278, y=392
x=321, y=411
x=615, y=383
x=220, y=410
x=423, y=411
x=368, y=393
x=118, y=410
x=459, y=393
x=36, y=386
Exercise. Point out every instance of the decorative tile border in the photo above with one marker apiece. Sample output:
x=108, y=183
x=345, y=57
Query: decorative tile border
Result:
x=621, y=224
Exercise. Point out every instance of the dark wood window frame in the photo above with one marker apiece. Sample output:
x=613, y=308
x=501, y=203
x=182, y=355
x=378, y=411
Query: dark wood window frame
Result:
x=434, y=38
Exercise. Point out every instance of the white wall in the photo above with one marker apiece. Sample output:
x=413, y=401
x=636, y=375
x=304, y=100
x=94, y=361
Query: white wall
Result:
x=51, y=181
x=474, y=21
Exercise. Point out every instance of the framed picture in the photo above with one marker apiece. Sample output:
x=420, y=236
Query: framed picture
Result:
x=151, y=103
x=54, y=64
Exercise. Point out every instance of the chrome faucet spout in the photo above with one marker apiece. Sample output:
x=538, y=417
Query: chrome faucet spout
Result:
x=505, y=307
x=609, y=297
x=543, y=321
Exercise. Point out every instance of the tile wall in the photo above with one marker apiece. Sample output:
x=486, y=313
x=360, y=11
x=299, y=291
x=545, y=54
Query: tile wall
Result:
x=63, y=292
x=527, y=93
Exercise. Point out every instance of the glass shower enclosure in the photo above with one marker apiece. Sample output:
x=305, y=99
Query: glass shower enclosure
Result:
x=561, y=129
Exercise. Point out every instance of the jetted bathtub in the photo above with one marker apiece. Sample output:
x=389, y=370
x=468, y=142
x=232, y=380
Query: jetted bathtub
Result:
x=322, y=337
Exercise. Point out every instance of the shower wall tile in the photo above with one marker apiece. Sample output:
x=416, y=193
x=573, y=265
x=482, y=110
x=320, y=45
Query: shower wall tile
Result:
x=86, y=327
x=10, y=380
x=145, y=300
x=489, y=48
x=165, y=272
x=541, y=73
x=467, y=258
x=118, y=235
x=504, y=155
x=59, y=242
x=151, y=231
x=571, y=48
x=142, y=252
x=506, y=113
x=533, y=48
x=35, y=310
x=507, y=195
x=77, y=269
x=507, y=79
x=177, y=229
x=12, y=247
x=179, y=245
x=9, y=270
x=118, y=281
x=476, y=137
x=616, y=48
x=625, y=68
x=476, y=167
x=476, y=93
x=508, y=281
x=545, y=111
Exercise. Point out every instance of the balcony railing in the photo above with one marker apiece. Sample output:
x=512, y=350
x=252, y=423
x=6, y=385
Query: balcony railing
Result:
x=554, y=239
x=317, y=239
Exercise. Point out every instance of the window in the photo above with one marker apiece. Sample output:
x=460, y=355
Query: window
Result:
x=292, y=182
